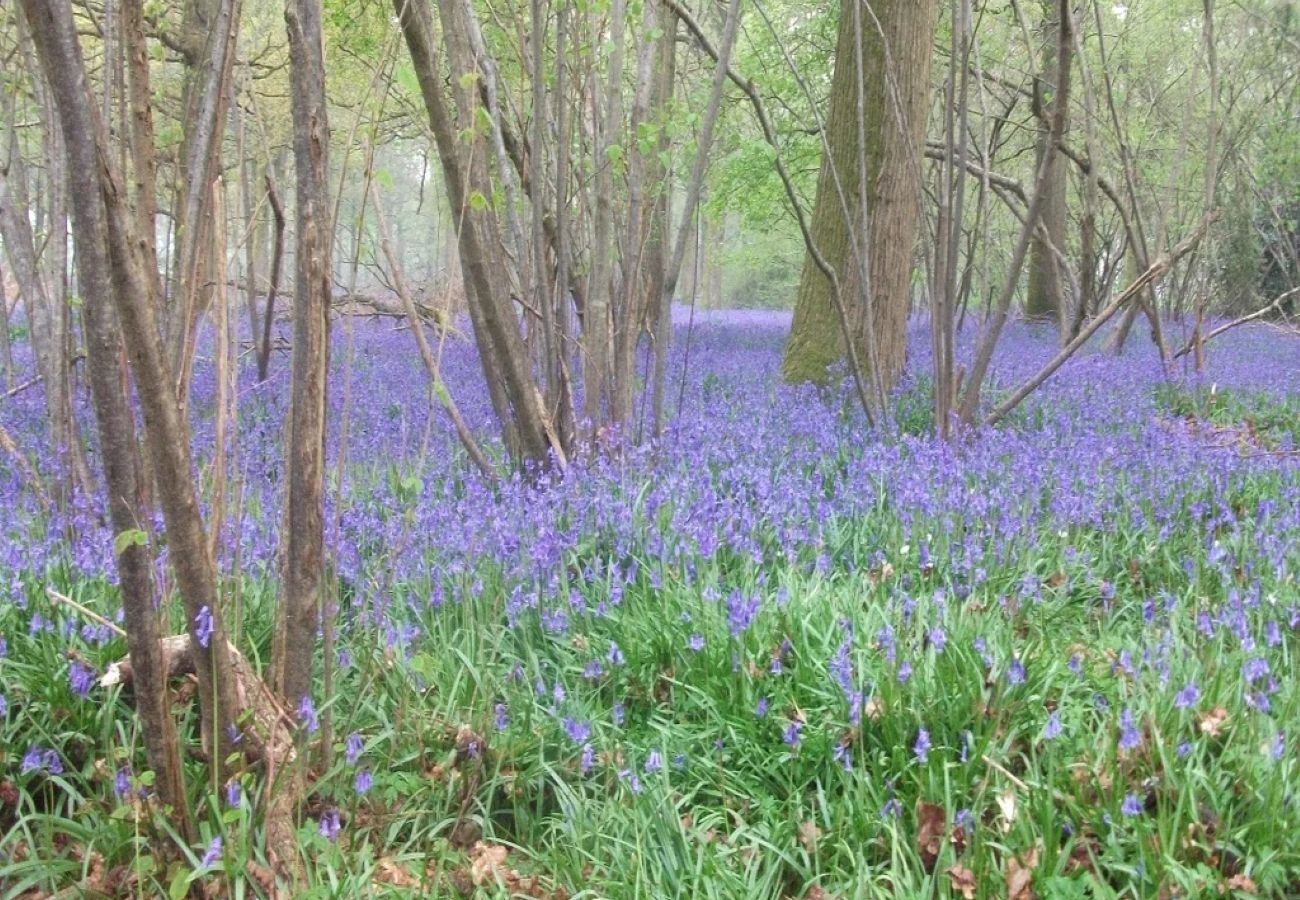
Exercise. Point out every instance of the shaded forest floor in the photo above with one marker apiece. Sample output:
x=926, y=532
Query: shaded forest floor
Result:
x=773, y=656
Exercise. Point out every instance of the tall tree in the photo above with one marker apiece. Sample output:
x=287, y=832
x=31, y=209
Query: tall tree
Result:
x=1046, y=296
x=872, y=150
x=303, y=550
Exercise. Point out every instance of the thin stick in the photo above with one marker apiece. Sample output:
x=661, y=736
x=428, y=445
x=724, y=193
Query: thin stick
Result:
x=1153, y=274
x=1228, y=326
x=89, y=614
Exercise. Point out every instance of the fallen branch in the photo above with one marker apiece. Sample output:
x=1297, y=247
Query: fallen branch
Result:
x=1228, y=326
x=88, y=613
x=33, y=477
x=1153, y=274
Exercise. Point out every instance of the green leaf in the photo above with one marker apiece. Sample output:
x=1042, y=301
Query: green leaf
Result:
x=133, y=537
x=180, y=885
x=467, y=80
x=477, y=201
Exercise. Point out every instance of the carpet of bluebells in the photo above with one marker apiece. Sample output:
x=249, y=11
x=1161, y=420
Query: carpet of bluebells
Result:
x=773, y=654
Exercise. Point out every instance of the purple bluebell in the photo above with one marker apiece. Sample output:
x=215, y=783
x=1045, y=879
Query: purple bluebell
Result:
x=307, y=716
x=364, y=781
x=1187, y=697
x=1052, y=730
x=330, y=825
x=353, y=747
x=695, y=642
x=203, y=627
x=653, y=762
x=213, y=854
x=921, y=749
x=1131, y=806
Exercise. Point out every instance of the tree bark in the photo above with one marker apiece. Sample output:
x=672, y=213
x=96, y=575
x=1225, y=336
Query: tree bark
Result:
x=101, y=210
x=54, y=31
x=1045, y=298
x=303, y=547
x=895, y=52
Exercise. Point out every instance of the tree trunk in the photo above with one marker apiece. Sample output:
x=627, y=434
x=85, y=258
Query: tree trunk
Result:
x=212, y=25
x=101, y=210
x=1045, y=299
x=895, y=128
x=303, y=548
x=54, y=31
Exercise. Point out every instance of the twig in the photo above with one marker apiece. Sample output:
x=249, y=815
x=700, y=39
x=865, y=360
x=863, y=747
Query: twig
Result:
x=88, y=613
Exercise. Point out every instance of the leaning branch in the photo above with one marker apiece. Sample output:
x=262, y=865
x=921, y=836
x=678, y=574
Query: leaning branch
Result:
x=1153, y=274
x=1228, y=326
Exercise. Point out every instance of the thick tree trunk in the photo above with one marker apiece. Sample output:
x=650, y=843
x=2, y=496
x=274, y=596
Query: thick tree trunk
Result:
x=895, y=128
x=1045, y=299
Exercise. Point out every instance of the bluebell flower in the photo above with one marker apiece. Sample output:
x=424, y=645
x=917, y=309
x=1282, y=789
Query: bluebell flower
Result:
x=792, y=730
x=588, y=759
x=1187, y=697
x=4, y=706
x=695, y=642
x=502, y=717
x=922, y=746
x=122, y=782
x=353, y=747
x=843, y=754
x=1016, y=672
x=965, y=820
x=1278, y=748
x=364, y=781
x=654, y=762
x=234, y=794
x=632, y=780
x=593, y=670
x=578, y=732
x=891, y=808
x=1184, y=749
x=1131, y=806
x=213, y=855
x=307, y=715
x=1129, y=736
x=80, y=678
x=203, y=627
x=938, y=639
x=905, y=672
x=615, y=655
x=619, y=714
x=329, y=825
x=1052, y=730
x=760, y=709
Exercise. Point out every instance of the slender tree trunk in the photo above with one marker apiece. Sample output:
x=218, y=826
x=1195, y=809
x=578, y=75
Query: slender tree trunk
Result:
x=273, y=285
x=101, y=208
x=895, y=52
x=303, y=547
x=598, y=335
x=214, y=25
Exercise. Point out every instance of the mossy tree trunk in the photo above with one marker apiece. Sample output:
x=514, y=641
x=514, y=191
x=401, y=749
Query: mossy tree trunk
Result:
x=895, y=82
x=1045, y=299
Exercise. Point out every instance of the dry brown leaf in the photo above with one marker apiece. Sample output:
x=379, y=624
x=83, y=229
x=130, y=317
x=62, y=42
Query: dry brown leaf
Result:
x=1241, y=883
x=389, y=872
x=875, y=709
x=1020, y=875
x=809, y=834
x=931, y=822
x=1213, y=721
x=963, y=881
x=487, y=863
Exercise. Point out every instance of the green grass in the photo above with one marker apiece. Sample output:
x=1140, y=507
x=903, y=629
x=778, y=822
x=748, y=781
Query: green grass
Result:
x=1269, y=420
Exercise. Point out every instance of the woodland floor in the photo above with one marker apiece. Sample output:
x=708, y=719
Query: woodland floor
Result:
x=775, y=655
